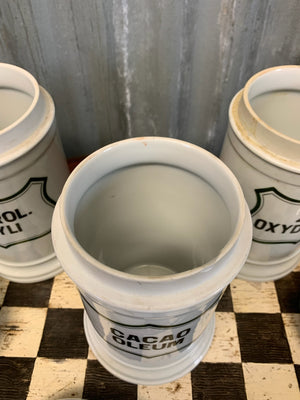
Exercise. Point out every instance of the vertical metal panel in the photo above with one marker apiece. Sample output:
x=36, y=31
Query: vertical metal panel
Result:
x=124, y=68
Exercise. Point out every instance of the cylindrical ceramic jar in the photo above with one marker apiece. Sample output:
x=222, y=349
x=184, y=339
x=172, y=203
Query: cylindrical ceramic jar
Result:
x=33, y=170
x=262, y=148
x=151, y=230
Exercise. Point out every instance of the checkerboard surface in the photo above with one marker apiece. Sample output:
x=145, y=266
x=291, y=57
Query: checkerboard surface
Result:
x=255, y=352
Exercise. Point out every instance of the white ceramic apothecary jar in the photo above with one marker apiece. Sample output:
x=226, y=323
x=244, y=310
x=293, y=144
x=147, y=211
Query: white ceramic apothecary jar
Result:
x=33, y=170
x=262, y=148
x=151, y=230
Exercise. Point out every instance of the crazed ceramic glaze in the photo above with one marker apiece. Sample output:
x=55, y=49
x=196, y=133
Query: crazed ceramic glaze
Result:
x=267, y=164
x=149, y=316
x=33, y=170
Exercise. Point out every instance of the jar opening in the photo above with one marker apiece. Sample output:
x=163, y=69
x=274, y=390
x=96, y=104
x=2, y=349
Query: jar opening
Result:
x=165, y=205
x=152, y=220
x=274, y=97
x=13, y=105
x=18, y=94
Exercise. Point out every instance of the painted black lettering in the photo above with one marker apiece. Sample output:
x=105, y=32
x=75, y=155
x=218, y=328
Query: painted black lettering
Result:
x=119, y=340
x=116, y=332
x=134, y=338
x=296, y=229
x=19, y=214
x=272, y=227
x=285, y=228
x=9, y=216
x=175, y=342
x=156, y=346
x=11, y=230
x=2, y=230
x=144, y=346
x=260, y=223
x=183, y=333
x=131, y=345
x=150, y=339
x=167, y=338
x=18, y=226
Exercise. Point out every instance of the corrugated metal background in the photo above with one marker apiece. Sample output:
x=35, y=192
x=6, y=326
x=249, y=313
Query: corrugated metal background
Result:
x=123, y=68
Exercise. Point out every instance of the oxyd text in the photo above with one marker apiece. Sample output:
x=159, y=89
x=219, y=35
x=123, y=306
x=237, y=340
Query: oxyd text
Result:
x=274, y=227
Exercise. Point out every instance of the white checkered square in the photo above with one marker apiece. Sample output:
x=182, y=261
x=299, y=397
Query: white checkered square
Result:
x=181, y=389
x=21, y=330
x=225, y=345
x=270, y=381
x=64, y=293
x=292, y=328
x=3, y=286
x=251, y=297
x=57, y=379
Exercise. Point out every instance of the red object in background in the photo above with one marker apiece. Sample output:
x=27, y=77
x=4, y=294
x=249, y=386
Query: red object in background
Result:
x=73, y=162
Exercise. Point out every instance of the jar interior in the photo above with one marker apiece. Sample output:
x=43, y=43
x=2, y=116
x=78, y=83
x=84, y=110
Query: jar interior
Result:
x=152, y=220
x=280, y=110
x=275, y=98
x=13, y=104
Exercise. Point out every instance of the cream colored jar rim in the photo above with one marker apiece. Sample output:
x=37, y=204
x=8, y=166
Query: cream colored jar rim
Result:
x=27, y=131
x=268, y=144
x=247, y=96
x=35, y=91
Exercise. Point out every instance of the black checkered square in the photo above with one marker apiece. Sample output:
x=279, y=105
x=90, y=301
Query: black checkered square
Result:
x=63, y=335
